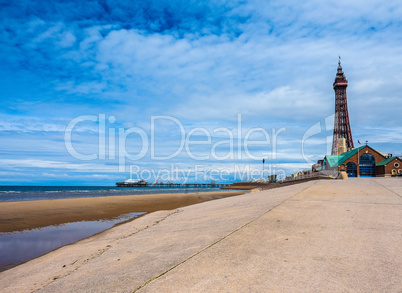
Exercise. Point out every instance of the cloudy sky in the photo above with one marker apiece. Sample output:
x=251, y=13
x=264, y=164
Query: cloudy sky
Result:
x=90, y=88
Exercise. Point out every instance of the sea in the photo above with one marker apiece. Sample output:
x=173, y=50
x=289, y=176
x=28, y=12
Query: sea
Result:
x=19, y=193
x=21, y=246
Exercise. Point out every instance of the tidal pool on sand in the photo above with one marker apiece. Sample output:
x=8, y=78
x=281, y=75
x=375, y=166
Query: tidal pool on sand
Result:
x=19, y=247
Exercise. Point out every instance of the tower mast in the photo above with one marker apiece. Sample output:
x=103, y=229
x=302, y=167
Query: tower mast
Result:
x=341, y=122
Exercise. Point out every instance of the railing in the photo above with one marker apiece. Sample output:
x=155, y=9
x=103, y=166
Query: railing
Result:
x=329, y=173
x=310, y=174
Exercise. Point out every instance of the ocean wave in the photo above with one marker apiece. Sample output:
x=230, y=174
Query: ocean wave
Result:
x=10, y=191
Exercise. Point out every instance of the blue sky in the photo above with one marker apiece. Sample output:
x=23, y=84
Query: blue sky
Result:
x=203, y=63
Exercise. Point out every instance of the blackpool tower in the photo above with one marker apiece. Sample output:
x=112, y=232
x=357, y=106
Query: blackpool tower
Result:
x=342, y=139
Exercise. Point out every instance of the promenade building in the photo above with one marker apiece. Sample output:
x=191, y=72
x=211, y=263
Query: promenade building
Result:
x=364, y=162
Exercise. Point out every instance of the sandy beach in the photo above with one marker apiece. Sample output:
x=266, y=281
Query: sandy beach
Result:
x=21, y=215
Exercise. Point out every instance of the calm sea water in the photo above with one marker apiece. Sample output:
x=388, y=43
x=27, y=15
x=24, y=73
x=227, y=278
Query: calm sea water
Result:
x=19, y=193
x=19, y=247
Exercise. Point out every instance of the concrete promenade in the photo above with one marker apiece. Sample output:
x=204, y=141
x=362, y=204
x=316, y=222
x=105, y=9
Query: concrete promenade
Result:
x=319, y=236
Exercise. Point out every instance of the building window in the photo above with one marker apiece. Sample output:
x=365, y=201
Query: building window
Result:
x=367, y=165
x=351, y=169
x=393, y=172
x=396, y=165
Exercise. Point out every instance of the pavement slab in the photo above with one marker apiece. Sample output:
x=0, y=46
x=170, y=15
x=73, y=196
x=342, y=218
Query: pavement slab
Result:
x=331, y=237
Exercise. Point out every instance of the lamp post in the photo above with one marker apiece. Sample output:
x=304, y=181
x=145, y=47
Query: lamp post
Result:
x=263, y=169
x=358, y=160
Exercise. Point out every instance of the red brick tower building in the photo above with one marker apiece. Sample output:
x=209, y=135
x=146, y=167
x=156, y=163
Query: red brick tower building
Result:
x=341, y=123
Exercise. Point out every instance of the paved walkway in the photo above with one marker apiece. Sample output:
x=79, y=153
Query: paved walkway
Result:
x=321, y=236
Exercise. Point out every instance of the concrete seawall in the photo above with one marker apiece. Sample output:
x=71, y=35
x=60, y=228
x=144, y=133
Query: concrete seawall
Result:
x=318, y=236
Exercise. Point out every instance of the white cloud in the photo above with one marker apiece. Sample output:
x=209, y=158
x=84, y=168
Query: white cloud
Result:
x=37, y=124
x=43, y=164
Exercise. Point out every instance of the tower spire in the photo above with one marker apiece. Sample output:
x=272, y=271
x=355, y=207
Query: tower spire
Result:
x=342, y=129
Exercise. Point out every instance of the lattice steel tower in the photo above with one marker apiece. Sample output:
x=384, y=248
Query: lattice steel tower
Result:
x=341, y=123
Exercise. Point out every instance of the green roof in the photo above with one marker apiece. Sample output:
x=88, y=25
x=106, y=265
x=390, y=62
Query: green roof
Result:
x=335, y=161
x=386, y=161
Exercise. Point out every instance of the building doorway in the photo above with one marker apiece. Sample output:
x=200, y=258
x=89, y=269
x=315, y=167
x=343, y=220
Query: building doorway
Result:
x=367, y=165
x=351, y=169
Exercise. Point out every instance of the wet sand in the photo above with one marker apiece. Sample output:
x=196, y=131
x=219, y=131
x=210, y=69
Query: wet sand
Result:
x=21, y=215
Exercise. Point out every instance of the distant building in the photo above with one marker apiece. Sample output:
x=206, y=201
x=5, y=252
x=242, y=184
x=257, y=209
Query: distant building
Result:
x=317, y=167
x=391, y=166
x=364, y=162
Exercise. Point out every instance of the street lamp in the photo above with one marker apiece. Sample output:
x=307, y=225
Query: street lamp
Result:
x=263, y=169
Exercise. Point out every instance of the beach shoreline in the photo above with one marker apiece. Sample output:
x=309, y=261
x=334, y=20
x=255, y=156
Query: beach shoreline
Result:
x=24, y=215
